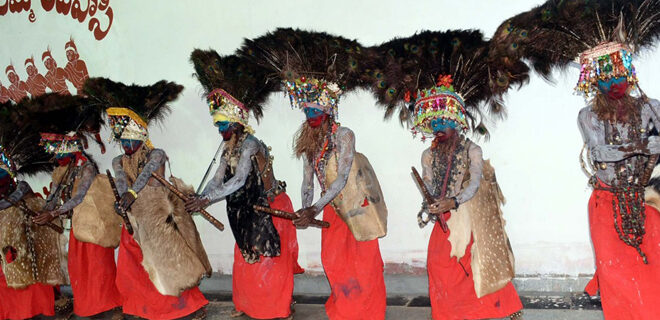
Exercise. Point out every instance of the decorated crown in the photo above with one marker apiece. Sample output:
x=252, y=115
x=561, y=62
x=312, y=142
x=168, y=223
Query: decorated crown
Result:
x=603, y=62
x=58, y=144
x=6, y=163
x=438, y=102
x=126, y=124
x=304, y=90
x=224, y=107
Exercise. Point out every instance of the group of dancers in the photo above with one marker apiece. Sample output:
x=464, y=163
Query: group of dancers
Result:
x=445, y=85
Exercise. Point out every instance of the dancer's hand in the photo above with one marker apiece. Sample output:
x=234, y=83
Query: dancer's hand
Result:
x=441, y=206
x=45, y=217
x=304, y=217
x=196, y=203
x=126, y=201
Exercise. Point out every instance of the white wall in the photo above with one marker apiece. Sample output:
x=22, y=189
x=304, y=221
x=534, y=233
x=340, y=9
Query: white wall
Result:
x=535, y=151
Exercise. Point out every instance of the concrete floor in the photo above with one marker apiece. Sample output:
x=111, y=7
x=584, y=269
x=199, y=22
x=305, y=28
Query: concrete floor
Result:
x=221, y=310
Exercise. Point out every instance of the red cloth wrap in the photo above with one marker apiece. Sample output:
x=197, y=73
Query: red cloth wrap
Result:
x=628, y=287
x=140, y=297
x=25, y=303
x=92, y=273
x=452, y=292
x=263, y=290
x=354, y=270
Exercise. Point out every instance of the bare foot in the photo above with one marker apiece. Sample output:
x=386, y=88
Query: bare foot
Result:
x=235, y=313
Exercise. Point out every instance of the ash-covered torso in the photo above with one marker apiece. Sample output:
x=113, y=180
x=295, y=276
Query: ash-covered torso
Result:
x=341, y=145
x=611, y=145
x=70, y=185
x=456, y=172
x=245, y=178
x=619, y=155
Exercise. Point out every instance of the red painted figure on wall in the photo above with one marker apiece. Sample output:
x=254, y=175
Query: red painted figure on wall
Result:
x=55, y=76
x=17, y=88
x=76, y=69
x=4, y=94
x=36, y=82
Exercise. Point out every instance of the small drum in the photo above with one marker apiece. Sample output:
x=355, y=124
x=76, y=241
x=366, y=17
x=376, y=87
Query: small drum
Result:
x=361, y=203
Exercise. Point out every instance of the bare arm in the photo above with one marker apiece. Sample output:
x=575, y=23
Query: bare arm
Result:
x=346, y=153
x=218, y=191
x=22, y=188
x=476, y=166
x=307, y=190
x=427, y=169
x=157, y=158
x=88, y=175
x=120, y=175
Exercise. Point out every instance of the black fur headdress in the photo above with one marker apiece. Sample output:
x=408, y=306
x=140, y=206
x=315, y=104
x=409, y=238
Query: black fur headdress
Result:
x=399, y=68
x=150, y=102
x=243, y=79
x=553, y=34
x=293, y=53
x=19, y=140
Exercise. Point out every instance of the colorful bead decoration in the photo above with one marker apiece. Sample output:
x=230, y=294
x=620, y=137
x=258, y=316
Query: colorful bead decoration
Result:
x=55, y=143
x=603, y=62
x=6, y=163
x=318, y=91
x=126, y=124
x=224, y=107
x=438, y=102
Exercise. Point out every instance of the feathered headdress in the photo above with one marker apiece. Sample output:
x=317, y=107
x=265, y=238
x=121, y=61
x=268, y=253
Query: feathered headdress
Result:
x=601, y=34
x=314, y=67
x=131, y=108
x=20, y=152
x=438, y=74
x=233, y=86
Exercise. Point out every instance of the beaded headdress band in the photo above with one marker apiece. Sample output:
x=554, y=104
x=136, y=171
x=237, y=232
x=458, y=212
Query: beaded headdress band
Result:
x=603, y=62
x=224, y=107
x=304, y=90
x=6, y=163
x=438, y=102
x=55, y=143
x=126, y=124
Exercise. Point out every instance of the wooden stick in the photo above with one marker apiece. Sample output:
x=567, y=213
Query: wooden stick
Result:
x=289, y=216
x=21, y=205
x=121, y=212
x=429, y=198
x=184, y=197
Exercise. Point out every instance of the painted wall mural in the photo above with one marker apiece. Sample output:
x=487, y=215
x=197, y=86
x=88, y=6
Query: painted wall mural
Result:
x=54, y=80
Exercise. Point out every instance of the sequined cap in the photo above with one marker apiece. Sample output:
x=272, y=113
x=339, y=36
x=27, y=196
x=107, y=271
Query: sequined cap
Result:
x=438, y=102
x=603, y=62
x=6, y=163
x=126, y=124
x=304, y=90
x=224, y=107
x=59, y=144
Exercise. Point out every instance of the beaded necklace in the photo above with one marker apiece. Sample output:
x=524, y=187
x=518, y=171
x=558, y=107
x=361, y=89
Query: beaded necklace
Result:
x=324, y=155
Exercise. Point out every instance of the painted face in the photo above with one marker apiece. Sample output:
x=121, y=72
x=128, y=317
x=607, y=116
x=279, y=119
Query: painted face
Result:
x=71, y=55
x=226, y=129
x=130, y=146
x=31, y=70
x=440, y=125
x=614, y=88
x=13, y=78
x=315, y=116
x=64, y=159
x=49, y=63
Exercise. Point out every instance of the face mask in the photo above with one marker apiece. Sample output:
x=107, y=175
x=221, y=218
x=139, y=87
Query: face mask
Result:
x=440, y=125
x=226, y=129
x=614, y=88
x=64, y=159
x=130, y=146
x=315, y=117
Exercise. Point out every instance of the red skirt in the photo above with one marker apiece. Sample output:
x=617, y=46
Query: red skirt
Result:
x=140, y=297
x=354, y=270
x=263, y=290
x=25, y=303
x=452, y=292
x=628, y=287
x=92, y=272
